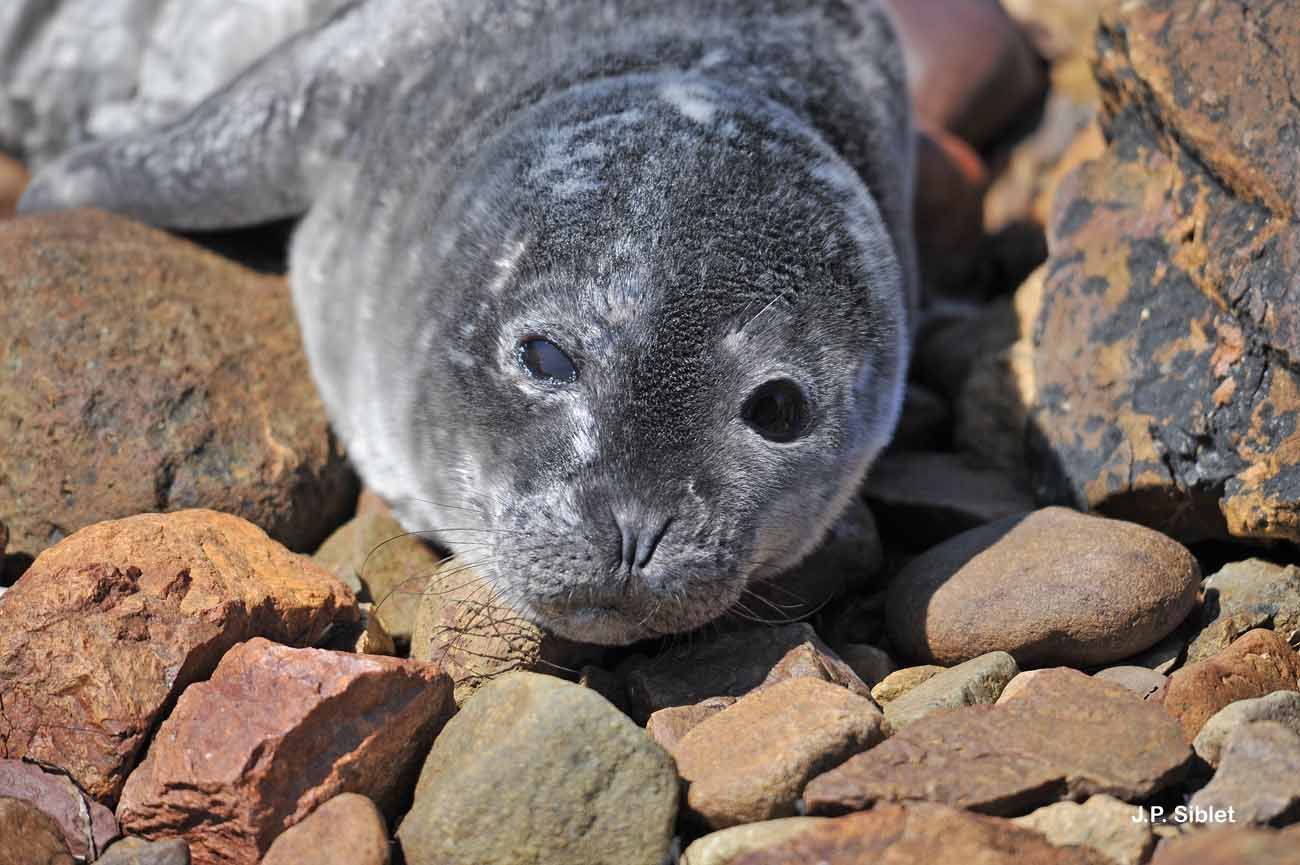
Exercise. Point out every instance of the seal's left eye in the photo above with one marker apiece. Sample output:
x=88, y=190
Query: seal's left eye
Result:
x=546, y=361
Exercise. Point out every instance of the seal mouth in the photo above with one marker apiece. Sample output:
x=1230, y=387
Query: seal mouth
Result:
x=602, y=625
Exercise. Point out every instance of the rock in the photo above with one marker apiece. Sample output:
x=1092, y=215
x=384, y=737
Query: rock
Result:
x=463, y=627
x=1067, y=735
x=1233, y=845
x=346, y=830
x=229, y=770
x=382, y=562
x=13, y=180
x=732, y=665
x=925, y=498
x=872, y=665
x=87, y=826
x=669, y=726
x=1051, y=587
x=751, y=761
x=137, y=851
x=30, y=836
x=121, y=616
x=1280, y=706
x=726, y=845
x=1165, y=656
x=1246, y=595
x=1020, y=685
x=1167, y=348
x=948, y=211
x=926, y=421
x=976, y=682
x=1057, y=28
x=1259, y=663
x=1103, y=823
x=1140, y=680
x=954, y=336
x=969, y=68
x=537, y=770
x=919, y=834
x=899, y=682
x=1258, y=775
x=140, y=373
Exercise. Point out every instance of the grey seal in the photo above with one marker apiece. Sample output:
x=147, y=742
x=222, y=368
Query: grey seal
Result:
x=613, y=296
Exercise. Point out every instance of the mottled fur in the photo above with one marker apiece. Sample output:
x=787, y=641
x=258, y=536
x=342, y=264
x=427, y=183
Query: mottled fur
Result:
x=690, y=198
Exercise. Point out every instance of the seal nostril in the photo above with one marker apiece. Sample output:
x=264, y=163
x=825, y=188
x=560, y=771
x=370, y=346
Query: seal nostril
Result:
x=647, y=549
x=637, y=544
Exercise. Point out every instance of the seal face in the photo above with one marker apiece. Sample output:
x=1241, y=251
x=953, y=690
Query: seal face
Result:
x=610, y=298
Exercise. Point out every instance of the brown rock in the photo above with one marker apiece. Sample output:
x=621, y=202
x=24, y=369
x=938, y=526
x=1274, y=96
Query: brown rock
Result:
x=137, y=851
x=669, y=726
x=87, y=826
x=750, y=761
x=141, y=373
x=1258, y=776
x=120, y=617
x=732, y=665
x=346, y=830
x=13, y=180
x=925, y=498
x=1257, y=664
x=1052, y=587
x=1245, y=595
x=1057, y=28
x=229, y=770
x=726, y=845
x=948, y=211
x=29, y=836
x=1067, y=735
x=464, y=628
x=920, y=834
x=1232, y=846
x=899, y=682
x=1103, y=823
x=872, y=665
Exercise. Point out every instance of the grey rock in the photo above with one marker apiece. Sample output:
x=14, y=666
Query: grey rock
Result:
x=137, y=851
x=1280, y=706
x=1245, y=595
x=727, y=845
x=1141, y=680
x=1258, y=776
x=979, y=681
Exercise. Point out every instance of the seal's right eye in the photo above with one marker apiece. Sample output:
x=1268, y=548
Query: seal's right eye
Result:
x=546, y=361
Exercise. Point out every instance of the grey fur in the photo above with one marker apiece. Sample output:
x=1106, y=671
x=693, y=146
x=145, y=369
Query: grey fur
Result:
x=690, y=198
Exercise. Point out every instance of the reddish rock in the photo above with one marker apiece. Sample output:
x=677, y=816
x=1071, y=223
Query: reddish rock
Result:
x=1051, y=587
x=87, y=826
x=1258, y=663
x=13, y=180
x=141, y=373
x=750, y=761
x=1235, y=845
x=120, y=617
x=920, y=834
x=732, y=665
x=230, y=769
x=1064, y=735
x=346, y=830
x=669, y=726
x=30, y=836
x=949, y=210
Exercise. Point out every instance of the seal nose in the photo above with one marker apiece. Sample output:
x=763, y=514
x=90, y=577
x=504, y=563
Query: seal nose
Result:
x=640, y=539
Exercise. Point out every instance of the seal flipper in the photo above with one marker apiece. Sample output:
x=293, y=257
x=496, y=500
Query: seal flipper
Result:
x=248, y=153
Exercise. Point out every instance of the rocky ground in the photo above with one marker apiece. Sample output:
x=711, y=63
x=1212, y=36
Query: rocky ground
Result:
x=1059, y=627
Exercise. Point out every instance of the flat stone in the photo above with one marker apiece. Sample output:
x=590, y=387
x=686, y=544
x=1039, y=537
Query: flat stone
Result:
x=1245, y=595
x=872, y=665
x=732, y=665
x=117, y=619
x=537, y=770
x=1232, y=845
x=462, y=626
x=924, y=498
x=975, y=682
x=669, y=726
x=13, y=180
x=230, y=770
x=1281, y=706
x=726, y=845
x=346, y=830
x=31, y=837
x=1066, y=735
x=1142, y=681
x=1258, y=663
x=751, y=761
x=140, y=373
x=1258, y=775
x=920, y=834
x=137, y=851
x=1054, y=587
x=1103, y=823
x=899, y=682
x=1165, y=656
x=88, y=827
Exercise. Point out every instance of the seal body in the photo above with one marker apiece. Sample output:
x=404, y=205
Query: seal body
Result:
x=610, y=296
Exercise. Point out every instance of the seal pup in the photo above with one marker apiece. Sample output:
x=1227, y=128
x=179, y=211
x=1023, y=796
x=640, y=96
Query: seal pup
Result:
x=612, y=295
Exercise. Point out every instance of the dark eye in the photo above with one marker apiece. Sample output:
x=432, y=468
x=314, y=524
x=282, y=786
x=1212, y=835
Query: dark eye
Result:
x=545, y=361
x=777, y=410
